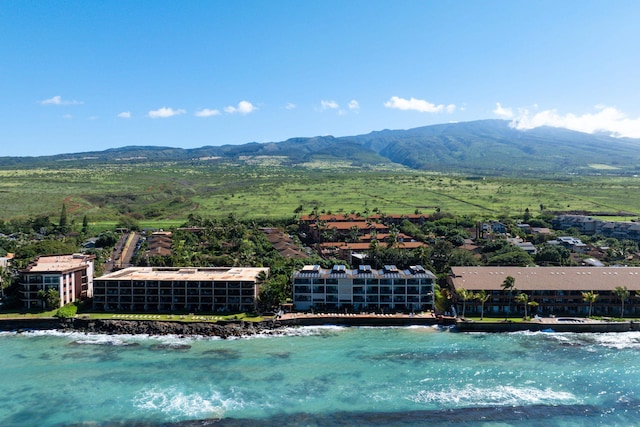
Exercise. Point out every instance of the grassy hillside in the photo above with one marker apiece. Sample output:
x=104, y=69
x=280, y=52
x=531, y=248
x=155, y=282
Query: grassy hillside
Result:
x=168, y=192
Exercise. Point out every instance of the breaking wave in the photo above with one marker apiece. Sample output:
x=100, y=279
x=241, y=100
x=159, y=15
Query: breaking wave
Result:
x=176, y=404
x=495, y=396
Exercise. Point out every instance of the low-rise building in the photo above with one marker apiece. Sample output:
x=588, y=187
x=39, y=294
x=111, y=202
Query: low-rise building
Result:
x=364, y=288
x=572, y=243
x=70, y=275
x=214, y=289
x=556, y=290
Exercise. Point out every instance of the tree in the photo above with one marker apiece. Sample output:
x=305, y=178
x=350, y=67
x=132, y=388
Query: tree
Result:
x=5, y=280
x=62, y=224
x=590, y=297
x=483, y=297
x=442, y=299
x=465, y=296
x=85, y=224
x=553, y=255
x=508, y=285
x=622, y=293
x=50, y=298
x=354, y=234
x=532, y=304
x=523, y=299
x=515, y=257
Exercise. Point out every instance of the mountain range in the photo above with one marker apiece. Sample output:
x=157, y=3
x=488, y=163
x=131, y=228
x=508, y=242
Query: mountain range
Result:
x=484, y=147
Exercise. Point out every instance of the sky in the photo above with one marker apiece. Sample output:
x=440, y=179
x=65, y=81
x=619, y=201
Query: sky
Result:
x=80, y=76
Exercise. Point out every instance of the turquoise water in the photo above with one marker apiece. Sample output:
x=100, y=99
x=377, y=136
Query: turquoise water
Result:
x=322, y=376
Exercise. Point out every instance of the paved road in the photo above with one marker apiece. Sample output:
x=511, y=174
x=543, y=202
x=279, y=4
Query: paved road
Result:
x=122, y=252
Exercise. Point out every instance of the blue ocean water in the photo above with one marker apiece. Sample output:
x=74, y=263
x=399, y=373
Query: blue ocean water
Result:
x=322, y=376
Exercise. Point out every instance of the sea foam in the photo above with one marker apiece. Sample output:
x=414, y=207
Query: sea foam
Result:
x=176, y=404
x=471, y=396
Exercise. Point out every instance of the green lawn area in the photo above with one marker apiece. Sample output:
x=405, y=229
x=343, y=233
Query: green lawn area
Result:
x=137, y=316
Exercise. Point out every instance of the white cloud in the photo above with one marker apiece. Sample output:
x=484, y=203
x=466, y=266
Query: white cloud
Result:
x=605, y=119
x=290, y=106
x=328, y=105
x=505, y=113
x=354, y=105
x=418, y=105
x=57, y=100
x=244, y=107
x=125, y=115
x=67, y=116
x=165, y=112
x=206, y=112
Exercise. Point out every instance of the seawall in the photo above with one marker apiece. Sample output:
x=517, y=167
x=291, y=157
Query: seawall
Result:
x=551, y=325
x=357, y=320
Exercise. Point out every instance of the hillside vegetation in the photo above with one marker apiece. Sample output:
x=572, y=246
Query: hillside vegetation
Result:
x=160, y=193
x=479, y=168
x=486, y=147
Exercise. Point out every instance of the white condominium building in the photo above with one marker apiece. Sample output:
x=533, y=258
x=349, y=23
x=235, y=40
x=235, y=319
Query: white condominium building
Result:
x=363, y=288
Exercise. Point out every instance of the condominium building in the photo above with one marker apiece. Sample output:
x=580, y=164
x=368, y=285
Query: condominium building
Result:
x=216, y=289
x=70, y=275
x=363, y=288
x=553, y=290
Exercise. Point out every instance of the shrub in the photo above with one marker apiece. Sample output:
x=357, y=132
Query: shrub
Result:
x=66, y=312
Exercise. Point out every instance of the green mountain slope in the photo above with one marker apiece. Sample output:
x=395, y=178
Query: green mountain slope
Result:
x=493, y=146
x=478, y=147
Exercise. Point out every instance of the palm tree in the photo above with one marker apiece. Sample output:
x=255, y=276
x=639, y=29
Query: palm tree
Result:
x=5, y=279
x=623, y=293
x=354, y=233
x=523, y=299
x=508, y=285
x=532, y=304
x=483, y=297
x=464, y=295
x=590, y=297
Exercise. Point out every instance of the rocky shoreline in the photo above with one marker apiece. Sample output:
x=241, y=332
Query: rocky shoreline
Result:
x=230, y=329
x=240, y=328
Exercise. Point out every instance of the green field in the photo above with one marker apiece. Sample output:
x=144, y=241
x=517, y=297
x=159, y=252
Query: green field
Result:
x=164, y=194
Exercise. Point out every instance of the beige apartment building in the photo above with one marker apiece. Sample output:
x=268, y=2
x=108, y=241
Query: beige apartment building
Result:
x=162, y=289
x=71, y=275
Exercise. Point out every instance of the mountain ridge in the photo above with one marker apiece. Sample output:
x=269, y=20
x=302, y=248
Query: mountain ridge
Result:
x=476, y=147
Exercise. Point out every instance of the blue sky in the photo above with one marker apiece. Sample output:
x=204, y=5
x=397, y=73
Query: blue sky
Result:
x=90, y=75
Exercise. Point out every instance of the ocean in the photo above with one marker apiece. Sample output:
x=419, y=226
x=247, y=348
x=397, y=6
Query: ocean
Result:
x=322, y=376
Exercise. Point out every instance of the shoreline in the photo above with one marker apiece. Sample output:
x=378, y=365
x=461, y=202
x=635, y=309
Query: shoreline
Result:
x=241, y=328
x=549, y=324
